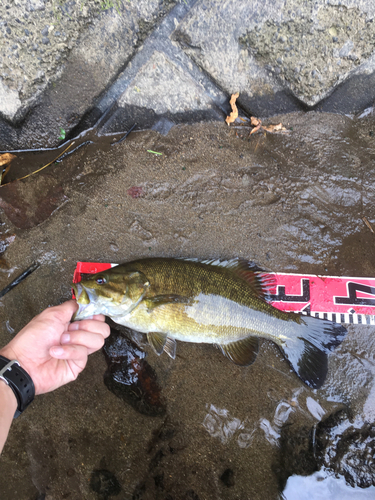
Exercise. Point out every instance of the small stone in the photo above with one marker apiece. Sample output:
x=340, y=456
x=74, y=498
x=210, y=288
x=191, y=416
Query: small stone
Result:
x=228, y=478
x=45, y=31
x=45, y=40
x=27, y=32
x=245, y=180
x=332, y=31
x=105, y=483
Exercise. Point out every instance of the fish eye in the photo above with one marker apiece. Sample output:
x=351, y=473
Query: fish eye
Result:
x=101, y=280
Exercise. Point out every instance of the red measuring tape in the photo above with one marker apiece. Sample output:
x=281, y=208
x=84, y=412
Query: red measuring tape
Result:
x=338, y=299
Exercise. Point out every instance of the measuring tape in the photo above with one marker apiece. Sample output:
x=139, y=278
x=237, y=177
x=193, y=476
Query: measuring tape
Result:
x=338, y=299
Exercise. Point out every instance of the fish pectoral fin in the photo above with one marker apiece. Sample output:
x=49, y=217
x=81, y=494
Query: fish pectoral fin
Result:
x=161, y=342
x=242, y=352
x=162, y=300
x=170, y=348
x=157, y=341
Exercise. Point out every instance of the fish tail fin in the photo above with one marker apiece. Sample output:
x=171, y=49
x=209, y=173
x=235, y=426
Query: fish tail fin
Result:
x=307, y=346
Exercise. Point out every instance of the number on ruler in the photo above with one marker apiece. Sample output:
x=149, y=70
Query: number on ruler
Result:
x=353, y=299
x=281, y=296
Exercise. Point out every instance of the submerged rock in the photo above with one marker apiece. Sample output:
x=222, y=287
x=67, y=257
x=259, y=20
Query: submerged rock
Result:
x=347, y=448
x=338, y=444
x=130, y=377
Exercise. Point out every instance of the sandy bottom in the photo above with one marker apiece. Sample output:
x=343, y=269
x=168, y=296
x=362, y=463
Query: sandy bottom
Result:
x=291, y=202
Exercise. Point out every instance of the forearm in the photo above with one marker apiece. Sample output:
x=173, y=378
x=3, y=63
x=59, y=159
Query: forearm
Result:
x=8, y=407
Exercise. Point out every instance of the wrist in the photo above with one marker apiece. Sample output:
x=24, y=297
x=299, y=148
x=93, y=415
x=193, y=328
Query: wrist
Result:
x=7, y=353
x=18, y=381
x=8, y=397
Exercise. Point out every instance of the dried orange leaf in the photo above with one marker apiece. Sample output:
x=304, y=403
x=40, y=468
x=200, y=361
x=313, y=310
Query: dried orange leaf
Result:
x=255, y=121
x=4, y=173
x=274, y=128
x=6, y=158
x=255, y=129
x=234, y=114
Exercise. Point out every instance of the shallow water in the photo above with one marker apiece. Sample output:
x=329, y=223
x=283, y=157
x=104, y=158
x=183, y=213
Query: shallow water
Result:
x=291, y=202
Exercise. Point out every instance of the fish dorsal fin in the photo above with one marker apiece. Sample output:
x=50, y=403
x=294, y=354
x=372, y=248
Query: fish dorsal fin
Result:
x=260, y=281
x=242, y=352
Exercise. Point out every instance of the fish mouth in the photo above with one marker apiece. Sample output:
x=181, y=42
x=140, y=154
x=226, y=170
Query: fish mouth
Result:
x=83, y=300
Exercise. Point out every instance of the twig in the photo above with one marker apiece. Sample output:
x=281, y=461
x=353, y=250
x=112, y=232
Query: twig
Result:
x=39, y=169
x=20, y=278
x=368, y=224
x=125, y=136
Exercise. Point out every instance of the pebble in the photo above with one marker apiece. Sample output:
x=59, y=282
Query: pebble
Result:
x=227, y=478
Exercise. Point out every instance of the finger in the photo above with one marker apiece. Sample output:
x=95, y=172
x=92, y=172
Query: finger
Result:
x=99, y=317
x=63, y=313
x=91, y=325
x=92, y=341
x=76, y=353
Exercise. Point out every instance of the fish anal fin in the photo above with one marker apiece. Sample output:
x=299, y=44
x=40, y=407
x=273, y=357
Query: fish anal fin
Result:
x=157, y=341
x=162, y=300
x=242, y=352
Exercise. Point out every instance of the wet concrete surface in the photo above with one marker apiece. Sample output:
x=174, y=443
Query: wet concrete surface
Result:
x=292, y=202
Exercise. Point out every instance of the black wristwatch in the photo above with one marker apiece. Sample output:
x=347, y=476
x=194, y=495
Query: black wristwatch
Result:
x=19, y=381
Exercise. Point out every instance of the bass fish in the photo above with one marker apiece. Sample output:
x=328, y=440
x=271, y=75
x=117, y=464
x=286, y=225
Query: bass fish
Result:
x=216, y=302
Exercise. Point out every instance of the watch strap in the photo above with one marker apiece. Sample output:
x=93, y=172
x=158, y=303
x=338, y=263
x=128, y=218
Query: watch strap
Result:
x=19, y=381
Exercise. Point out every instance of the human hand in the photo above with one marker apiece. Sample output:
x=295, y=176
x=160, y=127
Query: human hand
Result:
x=53, y=350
